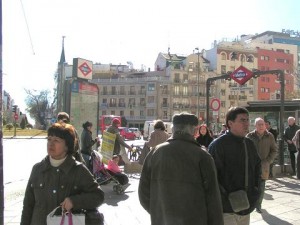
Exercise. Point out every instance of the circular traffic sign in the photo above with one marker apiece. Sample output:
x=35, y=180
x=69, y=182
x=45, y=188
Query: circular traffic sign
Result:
x=215, y=104
x=16, y=116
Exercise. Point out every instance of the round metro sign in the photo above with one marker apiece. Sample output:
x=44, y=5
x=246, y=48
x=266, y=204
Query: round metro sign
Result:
x=215, y=104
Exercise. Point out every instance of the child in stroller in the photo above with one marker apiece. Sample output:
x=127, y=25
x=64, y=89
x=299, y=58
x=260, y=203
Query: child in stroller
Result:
x=104, y=176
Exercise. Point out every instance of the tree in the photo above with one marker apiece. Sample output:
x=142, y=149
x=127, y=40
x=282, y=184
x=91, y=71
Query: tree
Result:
x=38, y=106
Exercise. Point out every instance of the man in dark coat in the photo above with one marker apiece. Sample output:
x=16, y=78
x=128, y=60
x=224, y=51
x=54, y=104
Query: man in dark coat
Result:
x=178, y=183
x=289, y=133
x=229, y=153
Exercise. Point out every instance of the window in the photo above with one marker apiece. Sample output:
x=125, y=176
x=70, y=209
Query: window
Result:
x=222, y=104
x=150, y=99
x=150, y=112
x=185, y=78
x=262, y=90
x=131, y=113
x=223, y=92
x=223, y=56
x=113, y=90
x=121, y=113
x=185, y=90
x=142, y=113
x=232, y=68
x=151, y=87
x=105, y=90
x=176, y=90
x=250, y=58
x=113, y=102
x=104, y=100
x=242, y=58
x=223, y=69
x=112, y=112
x=280, y=60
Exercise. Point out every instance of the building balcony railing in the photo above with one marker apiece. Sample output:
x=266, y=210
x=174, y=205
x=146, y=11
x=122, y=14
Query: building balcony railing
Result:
x=142, y=92
x=122, y=104
x=103, y=105
x=113, y=105
x=242, y=97
x=181, y=106
x=177, y=80
x=132, y=92
x=232, y=97
x=165, y=92
x=164, y=105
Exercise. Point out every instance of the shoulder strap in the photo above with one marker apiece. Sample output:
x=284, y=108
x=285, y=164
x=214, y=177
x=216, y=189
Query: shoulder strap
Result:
x=246, y=165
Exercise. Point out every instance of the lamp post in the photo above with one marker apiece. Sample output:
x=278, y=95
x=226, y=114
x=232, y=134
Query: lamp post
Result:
x=198, y=74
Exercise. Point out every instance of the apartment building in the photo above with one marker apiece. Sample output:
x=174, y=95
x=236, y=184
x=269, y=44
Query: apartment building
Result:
x=176, y=86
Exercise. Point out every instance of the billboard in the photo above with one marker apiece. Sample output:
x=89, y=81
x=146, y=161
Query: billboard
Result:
x=84, y=98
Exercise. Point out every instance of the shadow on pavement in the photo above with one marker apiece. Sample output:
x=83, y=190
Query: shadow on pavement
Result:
x=271, y=219
x=111, y=197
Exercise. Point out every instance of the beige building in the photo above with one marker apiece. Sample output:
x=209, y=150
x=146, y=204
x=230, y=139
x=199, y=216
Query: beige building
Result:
x=141, y=96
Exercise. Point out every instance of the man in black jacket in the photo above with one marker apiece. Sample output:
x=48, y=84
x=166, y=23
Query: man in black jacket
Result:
x=289, y=133
x=229, y=153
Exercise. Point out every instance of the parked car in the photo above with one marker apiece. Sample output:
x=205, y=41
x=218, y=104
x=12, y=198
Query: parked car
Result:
x=126, y=133
x=136, y=131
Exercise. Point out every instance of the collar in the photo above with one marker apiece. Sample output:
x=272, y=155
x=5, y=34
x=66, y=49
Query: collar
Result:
x=184, y=137
x=66, y=166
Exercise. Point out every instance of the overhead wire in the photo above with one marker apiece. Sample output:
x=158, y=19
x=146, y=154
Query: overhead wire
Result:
x=28, y=30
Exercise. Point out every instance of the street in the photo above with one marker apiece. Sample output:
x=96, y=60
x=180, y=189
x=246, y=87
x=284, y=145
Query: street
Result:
x=281, y=204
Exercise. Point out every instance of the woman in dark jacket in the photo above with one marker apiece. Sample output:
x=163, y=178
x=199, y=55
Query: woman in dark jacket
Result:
x=204, y=137
x=87, y=142
x=60, y=180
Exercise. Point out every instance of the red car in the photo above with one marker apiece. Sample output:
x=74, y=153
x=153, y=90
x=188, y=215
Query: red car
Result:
x=126, y=133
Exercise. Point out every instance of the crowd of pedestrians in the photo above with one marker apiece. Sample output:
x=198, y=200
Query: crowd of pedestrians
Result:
x=189, y=178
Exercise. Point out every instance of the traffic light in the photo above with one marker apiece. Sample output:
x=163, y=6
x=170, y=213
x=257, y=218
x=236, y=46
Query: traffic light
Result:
x=14, y=108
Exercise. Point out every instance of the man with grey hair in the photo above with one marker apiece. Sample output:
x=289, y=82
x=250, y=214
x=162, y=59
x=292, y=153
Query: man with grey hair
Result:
x=289, y=133
x=178, y=183
x=267, y=150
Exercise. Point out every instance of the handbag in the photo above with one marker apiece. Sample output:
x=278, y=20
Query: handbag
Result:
x=66, y=218
x=239, y=199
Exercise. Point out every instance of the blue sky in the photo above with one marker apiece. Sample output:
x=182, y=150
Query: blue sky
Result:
x=120, y=31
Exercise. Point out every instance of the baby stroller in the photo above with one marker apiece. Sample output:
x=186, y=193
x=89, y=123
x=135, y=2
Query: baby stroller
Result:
x=102, y=175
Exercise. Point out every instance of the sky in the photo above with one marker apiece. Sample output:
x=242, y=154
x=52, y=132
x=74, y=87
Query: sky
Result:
x=120, y=31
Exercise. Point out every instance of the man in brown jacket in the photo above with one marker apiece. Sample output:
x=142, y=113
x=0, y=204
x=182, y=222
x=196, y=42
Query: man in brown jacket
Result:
x=267, y=150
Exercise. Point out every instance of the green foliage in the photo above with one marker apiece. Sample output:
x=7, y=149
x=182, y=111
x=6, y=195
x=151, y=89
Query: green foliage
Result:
x=9, y=126
x=38, y=105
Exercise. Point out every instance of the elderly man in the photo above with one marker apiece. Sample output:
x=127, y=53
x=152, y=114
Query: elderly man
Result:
x=296, y=141
x=289, y=134
x=178, y=183
x=267, y=151
x=233, y=154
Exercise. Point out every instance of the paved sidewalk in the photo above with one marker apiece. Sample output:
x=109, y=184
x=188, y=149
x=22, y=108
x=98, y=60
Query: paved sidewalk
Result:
x=281, y=204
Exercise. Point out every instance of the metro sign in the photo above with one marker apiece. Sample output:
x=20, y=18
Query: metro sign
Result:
x=85, y=69
x=241, y=75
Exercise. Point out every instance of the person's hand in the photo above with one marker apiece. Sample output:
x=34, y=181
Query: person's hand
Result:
x=67, y=204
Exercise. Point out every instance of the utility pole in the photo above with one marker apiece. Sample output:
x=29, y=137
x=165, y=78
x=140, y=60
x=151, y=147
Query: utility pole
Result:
x=1, y=128
x=198, y=77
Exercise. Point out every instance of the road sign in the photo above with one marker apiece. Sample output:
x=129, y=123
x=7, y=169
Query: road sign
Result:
x=16, y=116
x=215, y=104
x=241, y=75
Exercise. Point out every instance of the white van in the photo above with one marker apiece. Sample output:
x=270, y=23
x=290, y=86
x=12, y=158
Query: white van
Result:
x=149, y=127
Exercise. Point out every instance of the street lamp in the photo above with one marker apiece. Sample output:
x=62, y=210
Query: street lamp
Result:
x=198, y=75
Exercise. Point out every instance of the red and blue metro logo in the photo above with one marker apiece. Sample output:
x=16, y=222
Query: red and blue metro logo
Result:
x=85, y=69
x=241, y=75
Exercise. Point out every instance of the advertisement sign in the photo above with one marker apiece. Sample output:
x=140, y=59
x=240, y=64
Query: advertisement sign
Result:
x=84, y=105
x=107, y=146
x=241, y=75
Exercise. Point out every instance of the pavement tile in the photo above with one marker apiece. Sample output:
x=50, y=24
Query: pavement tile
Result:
x=281, y=204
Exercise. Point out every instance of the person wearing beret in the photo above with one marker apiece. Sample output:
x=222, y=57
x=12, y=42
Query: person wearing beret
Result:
x=178, y=183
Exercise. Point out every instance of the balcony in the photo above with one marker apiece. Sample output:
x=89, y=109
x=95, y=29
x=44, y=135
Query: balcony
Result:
x=232, y=97
x=177, y=81
x=122, y=104
x=165, y=105
x=112, y=104
x=131, y=92
x=103, y=105
x=142, y=92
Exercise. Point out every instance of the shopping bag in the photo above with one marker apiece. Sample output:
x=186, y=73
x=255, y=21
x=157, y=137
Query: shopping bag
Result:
x=239, y=200
x=66, y=218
